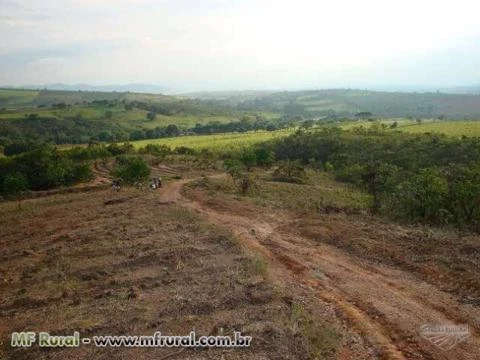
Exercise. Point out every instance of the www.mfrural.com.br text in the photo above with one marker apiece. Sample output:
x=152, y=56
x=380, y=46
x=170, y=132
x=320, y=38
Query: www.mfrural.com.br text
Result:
x=45, y=339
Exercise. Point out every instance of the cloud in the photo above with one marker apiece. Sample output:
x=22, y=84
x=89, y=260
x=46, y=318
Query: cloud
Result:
x=249, y=43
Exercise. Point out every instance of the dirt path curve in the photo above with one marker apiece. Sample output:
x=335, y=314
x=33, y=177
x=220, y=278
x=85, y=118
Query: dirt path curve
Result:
x=387, y=305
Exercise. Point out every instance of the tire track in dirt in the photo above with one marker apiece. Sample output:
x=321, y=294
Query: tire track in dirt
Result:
x=387, y=305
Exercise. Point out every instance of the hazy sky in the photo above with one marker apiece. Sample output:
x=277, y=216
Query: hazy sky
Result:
x=240, y=44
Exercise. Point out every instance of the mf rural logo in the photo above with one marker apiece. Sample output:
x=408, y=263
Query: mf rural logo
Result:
x=446, y=337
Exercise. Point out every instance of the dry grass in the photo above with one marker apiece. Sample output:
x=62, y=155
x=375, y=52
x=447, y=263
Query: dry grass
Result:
x=69, y=262
x=320, y=193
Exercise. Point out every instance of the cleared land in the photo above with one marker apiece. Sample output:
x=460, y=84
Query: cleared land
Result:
x=386, y=280
x=135, y=262
x=303, y=269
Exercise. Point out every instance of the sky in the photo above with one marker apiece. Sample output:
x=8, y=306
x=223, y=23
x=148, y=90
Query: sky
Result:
x=194, y=45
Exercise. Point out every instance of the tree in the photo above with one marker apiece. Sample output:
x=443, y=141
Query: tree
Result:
x=106, y=136
x=307, y=124
x=271, y=127
x=293, y=109
x=233, y=167
x=363, y=115
x=137, y=135
x=378, y=179
x=424, y=196
x=264, y=157
x=151, y=115
x=248, y=158
x=464, y=194
x=16, y=148
x=290, y=171
x=172, y=130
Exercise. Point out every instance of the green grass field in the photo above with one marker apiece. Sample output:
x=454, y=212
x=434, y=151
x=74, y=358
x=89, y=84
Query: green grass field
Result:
x=449, y=128
x=12, y=97
x=366, y=124
x=220, y=142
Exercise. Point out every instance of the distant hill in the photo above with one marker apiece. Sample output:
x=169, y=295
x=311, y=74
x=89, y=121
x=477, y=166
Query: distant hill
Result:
x=462, y=90
x=13, y=98
x=308, y=104
x=348, y=102
x=140, y=88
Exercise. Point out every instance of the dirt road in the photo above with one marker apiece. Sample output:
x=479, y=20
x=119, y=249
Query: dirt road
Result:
x=388, y=306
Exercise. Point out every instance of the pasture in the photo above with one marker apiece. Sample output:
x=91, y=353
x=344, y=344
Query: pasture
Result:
x=229, y=141
x=13, y=97
x=450, y=128
x=455, y=128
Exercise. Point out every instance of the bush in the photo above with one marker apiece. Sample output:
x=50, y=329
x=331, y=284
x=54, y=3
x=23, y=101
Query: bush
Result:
x=290, y=171
x=116, y=149
x=91, y=152
x=264, y=157
x=14, y=184
x=131, y=169
x=157, y=150
x=41, y=169
x=183, y=150
x=233, y=167
x=248, y=158
x=242, y=180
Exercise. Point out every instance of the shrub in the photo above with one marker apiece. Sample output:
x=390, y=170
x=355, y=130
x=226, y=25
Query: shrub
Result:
x=125, y=148
x=248, y=158
x=183, y=150
x=14, y=184
x=242, y=180
x=157, y=150
x=41, y=169
x=264, y=157
x=290, y=171
x=131, y=169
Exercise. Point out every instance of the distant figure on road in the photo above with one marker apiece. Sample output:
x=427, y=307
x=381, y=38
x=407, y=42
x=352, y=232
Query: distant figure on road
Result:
x=155, y=183
x=116, y=185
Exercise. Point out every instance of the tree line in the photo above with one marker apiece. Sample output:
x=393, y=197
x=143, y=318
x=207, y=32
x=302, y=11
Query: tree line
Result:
x=426, y=178
x=22, y=135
